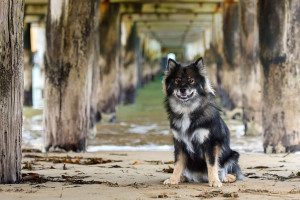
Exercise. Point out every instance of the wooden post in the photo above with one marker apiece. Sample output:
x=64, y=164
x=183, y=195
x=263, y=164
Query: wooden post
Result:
x=109, y=58
x=229, y=75
x=279, y=46
x=150, y=59
x=250, y=68
x=95, y=115
x=210, y=58
x=68, y=66
x=28, y=65
x=11, y=89
x=129, y=71
x=215, y=54
x=146, y=65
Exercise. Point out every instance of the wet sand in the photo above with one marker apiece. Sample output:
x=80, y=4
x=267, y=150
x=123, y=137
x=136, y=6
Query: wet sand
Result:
x=130, y=175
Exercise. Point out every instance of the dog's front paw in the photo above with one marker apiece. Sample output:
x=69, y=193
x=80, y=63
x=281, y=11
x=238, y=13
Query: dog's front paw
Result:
x=171, y=182
x=215, y=183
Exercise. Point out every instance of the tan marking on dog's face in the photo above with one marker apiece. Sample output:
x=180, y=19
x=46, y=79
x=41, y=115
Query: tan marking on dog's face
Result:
x=178, y=169
x=186, y=72
x=213, y=176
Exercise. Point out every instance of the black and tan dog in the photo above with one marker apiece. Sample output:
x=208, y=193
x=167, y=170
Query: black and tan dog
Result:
x=201, y=137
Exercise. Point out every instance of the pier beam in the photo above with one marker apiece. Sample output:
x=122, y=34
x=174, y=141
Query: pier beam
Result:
x=11, y=89
x=279, y=47
x=109, y=84
x=68, y=66
x=250, y=68
x=28, y=65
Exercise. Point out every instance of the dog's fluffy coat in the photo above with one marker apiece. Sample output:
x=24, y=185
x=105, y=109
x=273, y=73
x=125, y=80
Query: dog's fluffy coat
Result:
x=201, y=137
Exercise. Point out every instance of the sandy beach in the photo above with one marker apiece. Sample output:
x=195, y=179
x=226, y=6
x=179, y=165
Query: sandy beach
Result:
x=140, y=175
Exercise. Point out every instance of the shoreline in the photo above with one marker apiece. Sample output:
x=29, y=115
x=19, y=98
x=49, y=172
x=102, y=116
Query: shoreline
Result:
x=140, y=175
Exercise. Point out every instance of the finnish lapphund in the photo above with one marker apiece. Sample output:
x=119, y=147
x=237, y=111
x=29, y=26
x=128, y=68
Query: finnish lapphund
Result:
x=201, y=137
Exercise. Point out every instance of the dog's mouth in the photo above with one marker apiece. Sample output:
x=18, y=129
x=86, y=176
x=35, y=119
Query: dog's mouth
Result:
x=185, y=96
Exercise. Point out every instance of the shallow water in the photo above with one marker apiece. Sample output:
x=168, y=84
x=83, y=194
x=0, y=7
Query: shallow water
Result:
x=143, y=126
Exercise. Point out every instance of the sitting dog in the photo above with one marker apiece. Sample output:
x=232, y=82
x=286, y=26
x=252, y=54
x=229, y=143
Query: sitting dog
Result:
x=201, y=137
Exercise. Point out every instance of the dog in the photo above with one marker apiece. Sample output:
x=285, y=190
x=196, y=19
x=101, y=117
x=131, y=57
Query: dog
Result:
x=201, y=137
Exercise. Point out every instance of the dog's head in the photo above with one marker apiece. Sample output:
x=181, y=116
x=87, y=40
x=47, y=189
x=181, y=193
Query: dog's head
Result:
x=186, y=82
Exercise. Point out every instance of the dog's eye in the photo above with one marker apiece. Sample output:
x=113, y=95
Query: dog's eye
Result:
x=177, y=81
x=191, y=81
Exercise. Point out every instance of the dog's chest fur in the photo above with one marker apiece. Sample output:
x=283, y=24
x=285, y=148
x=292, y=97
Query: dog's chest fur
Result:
x=180, y=126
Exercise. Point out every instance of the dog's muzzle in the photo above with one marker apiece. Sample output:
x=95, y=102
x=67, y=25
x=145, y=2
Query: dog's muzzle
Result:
x=184, y=93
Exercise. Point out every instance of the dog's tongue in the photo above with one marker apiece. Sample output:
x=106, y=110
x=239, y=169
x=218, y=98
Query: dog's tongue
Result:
x=183, y=96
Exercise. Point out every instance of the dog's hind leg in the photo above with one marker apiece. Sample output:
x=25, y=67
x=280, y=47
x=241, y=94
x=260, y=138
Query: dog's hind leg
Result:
x=232, y=168
x=212, y=162
x=178, y=169
x=230, y=178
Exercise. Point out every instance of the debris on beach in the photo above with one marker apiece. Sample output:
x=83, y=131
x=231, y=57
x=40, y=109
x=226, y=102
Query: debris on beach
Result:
x=115, y=166
x=295, y=191
x=258, y=167
x=78, y=180
x=138, y=185
x=159, y=162
x=170, y=162
x=136, y=163
x=168, y=170
x=33, y=177
x=155, y=162
x=217, y=193
x=28, y=166
x=31, y=151
x=70, y=160
x=110, y=184
x=254, y=191
x=229, y=195
x=212, y=194
x=162, y=196
x=64, y=167
x=38, y=178
x=271, y=176
x=118, y=154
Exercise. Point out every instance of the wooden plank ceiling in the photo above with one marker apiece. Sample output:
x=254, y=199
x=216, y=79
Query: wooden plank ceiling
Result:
x=172, y=23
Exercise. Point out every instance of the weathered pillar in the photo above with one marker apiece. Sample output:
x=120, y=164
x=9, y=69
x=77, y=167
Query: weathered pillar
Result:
x=250, y=68
x=95, y=115
x=155, y=64
x=146, y=63
x=229, y=75
x=28, y=64
x=11, y=89
x=210, y=58
x=129, y=71
x=139, y=62
x=151, y=55
x=109, y=58
x=68, y=67
x=214, y=56
x=279, y=47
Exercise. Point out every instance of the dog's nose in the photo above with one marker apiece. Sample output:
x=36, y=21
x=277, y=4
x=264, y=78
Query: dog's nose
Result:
x=183, y=90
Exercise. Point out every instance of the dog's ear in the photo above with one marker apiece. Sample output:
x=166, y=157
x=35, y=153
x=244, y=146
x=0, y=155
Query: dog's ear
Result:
x=200, y=65
x=171, y=64
x=202, y=71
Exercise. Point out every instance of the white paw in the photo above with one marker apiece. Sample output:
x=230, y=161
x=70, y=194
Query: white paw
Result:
x=170, y=182
x=230, y=178
x=215, y=183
